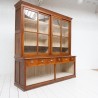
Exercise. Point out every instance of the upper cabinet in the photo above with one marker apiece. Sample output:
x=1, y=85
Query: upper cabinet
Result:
x=43, y=32
x=60, y=36
x=36, y=32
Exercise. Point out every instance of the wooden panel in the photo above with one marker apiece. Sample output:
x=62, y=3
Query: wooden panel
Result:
x=17, y=45
x=51, y=61
x=17, y=20
x=17, y=70
x=22, y=74
x=42, y=61
x=72, y=58
x=32, y=62
x=58, y=60
x=65, y=59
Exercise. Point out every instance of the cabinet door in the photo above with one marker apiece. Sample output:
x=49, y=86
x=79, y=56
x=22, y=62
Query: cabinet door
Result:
x=43, y=33
x=56, y=35
x=30, y=31
x=65, y=36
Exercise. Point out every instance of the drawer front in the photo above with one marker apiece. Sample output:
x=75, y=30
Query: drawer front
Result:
x=50, y=61
x=58, y=60
x=31, y=62
x=42, y=61
x=65, y=59
x=72, y=58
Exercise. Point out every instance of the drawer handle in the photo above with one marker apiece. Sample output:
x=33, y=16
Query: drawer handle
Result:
x=32, y=61
x=51, y=60
x=59, y=59
x=42, y=61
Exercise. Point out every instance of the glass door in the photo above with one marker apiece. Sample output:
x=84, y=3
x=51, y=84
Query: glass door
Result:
x=36, y=32
x=43, y=33
x=30, y=31
x=56, y=35
x=65, y=36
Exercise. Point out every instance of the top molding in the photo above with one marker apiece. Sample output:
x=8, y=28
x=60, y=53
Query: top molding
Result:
x=31, y=6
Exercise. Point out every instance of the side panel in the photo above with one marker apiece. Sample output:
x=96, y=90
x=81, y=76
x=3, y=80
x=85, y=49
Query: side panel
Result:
x=17, y=70
x=20, y=73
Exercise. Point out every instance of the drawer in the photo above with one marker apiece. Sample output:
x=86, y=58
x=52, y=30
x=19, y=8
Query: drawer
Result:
x=42, y=61
x=58, y=60
x=65, y=59
x=72, y=58
x=50, y=61
x=31, y=62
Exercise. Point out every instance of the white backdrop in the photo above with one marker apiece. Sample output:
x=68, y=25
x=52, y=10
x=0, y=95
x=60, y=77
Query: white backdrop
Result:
x=84, y=33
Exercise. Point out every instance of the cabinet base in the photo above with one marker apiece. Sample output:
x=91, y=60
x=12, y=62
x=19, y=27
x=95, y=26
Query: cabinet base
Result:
x=25, y=88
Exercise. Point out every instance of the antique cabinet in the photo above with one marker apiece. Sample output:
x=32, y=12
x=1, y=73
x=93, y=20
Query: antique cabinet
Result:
x=42, y=47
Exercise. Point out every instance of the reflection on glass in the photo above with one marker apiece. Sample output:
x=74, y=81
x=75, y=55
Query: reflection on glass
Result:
x=30, y=42
x=43, y=43
x=43, y=24
x=64, y=44
x=56, y=27
x=65, y=27
x=56, y=44
x=56, y=34
x=30, y=20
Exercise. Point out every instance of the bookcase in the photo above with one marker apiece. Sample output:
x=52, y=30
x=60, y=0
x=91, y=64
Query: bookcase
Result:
x=42, y=47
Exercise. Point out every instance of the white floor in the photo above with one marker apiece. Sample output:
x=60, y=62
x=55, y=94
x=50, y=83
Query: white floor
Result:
x=84, y=86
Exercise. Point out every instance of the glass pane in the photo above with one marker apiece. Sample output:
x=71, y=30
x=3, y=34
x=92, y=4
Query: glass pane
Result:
x=56, y=27
x=43, y=43
x=65, y=44
x=56, y=44
x=43, y=24
x=65, y=27
x=30, y=31
x=30, y=21
x=65, y=69
x=30, y=42
x=37, y=74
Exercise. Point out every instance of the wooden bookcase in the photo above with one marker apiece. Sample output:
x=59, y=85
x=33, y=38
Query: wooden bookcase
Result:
x=42, y=47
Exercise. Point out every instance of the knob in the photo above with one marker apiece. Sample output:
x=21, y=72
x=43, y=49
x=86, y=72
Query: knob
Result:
x=59, y=59
x=42, y=61
x=51, y=60
x=32, y=61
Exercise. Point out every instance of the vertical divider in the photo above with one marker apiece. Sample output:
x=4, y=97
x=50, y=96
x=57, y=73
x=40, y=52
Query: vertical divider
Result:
x=54, y=71
x=61, y=36
x=37, y=30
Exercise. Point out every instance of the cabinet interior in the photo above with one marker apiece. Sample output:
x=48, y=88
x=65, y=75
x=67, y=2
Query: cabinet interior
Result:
x=37, y=74
x=42, y=73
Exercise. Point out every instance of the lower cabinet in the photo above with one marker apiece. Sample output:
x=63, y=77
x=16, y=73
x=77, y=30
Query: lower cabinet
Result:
x=38, y=74
x=65, y=69
x=34, y=73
